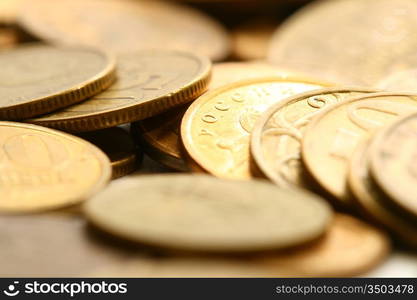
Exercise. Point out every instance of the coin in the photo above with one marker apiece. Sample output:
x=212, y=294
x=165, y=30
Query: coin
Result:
x=8, y=37
x=326, y=40
x=393, y=163
x=203, y=213
x=43, y=169
x=38, y=79
x=350, y=247
x=9, y=11
x=216, y=128
x=119, y=147
x=122, y=25
x=149, y=82
x=277, y=135
x=331, y=137
x=369, y=198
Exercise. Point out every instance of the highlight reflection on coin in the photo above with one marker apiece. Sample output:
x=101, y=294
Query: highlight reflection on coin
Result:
x=119, y=147
x=203, y=213
x=393, y=162
x=149, y=82
x=326, y=40
x=370, y=199
x=38, y=79
x=122, y=25
x=277, y=136
x=334, y=134
x=216, y=128
x=350, y=247
x=45, y=169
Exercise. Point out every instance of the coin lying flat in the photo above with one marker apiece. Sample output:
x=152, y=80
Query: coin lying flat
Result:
x=369, y=198
x=45, y=169
x=334, y=134
x=38, y=79
x=149, y=82
x=393, y=163
x=276, y=137
x=122, y=25
x=350, y=247
x=326, y=40
x=202, y=213
x=119, y=147
x=216, y=128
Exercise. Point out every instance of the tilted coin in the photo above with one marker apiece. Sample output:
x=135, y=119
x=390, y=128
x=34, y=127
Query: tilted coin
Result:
x=149, y=82
x=122, y=25
x=277, y=136
x=350, y=247
x=332, y=137
x=38, y=79
x=216, y=128
x=326, y=40
x=393, y=163
x=369, y=198
x=203, y=213
x=119, y=147
x=45, y=169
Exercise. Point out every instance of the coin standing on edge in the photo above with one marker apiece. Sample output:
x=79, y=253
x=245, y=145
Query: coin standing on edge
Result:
x=44, y=169
x=216, y=128
x=203, y=213
x=38, y=79
x=332, y=136
x=277, y=135
x=119, y=147
x=122, y=26
x=149, y=83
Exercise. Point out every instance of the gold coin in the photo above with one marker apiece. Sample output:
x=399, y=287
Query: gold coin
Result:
x=9, y=11
x=38, y=79
x=370, y=198
x=276, y=137
x=43, y=169
x=119, y=147
x=8, y=37
x=149, y=82
x=334, y=134
x=326, y=40
x=216, y=128
x=350, y=247
x=393, y=163
x=203, y=213
x=122, y=25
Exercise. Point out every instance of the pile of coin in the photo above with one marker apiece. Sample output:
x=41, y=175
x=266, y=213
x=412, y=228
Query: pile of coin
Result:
x=280, y=158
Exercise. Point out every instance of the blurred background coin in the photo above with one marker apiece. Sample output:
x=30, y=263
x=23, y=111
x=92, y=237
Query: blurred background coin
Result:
x=38, y=79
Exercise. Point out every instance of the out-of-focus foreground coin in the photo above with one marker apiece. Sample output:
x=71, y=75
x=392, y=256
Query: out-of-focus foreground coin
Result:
x=370, y=199
x=277, y=136
x=203, y=213
x=38, y=79
x=216, y=128
x=393, y=161
x=119, y=147
x=334, y=134
x=123, y=25
x=326, y=40
x=9, y=11
x=45, y=169
x=149, y=82
x=350, y=247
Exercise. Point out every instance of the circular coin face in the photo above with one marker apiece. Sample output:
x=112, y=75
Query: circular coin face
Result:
x=334, y=134
x=394, y=163
x=45, y=169
x=326, y=40
x=216, y=128
x=122, y=25
x=149, y=82
x=203, y=213
x=277, y=136
x=38, y=79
